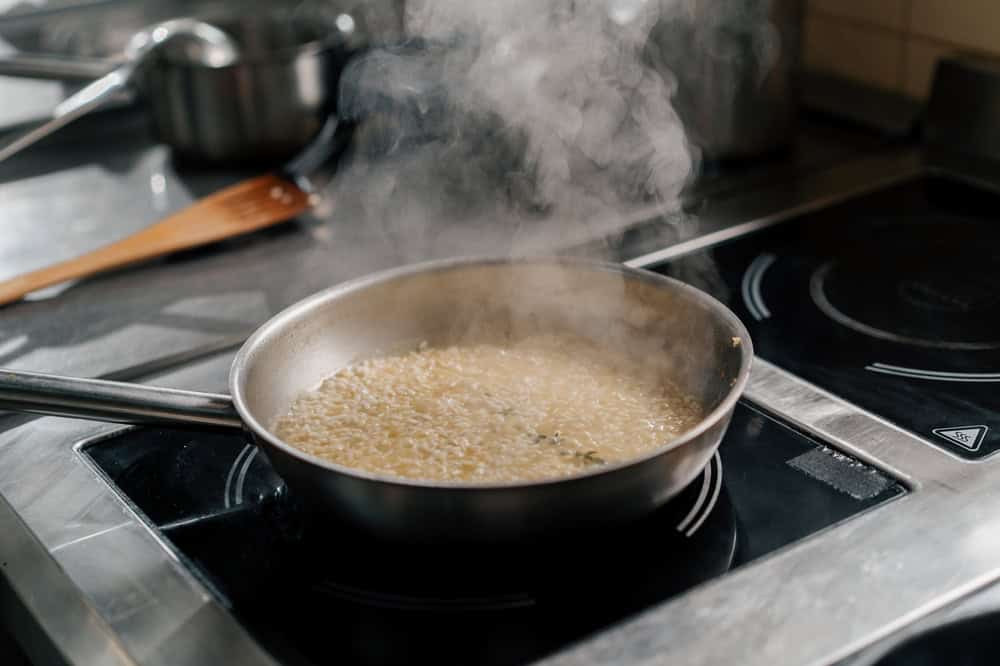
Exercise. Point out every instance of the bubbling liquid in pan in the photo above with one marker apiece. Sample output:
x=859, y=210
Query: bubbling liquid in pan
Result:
x=544, y=407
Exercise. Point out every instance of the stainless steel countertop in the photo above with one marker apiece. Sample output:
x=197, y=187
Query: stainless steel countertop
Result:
x=105, y=588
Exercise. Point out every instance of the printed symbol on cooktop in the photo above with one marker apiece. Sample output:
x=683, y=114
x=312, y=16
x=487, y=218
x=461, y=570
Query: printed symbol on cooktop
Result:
x=968, y=437
x=948, y=293
x=933, y=375
x=750, y=286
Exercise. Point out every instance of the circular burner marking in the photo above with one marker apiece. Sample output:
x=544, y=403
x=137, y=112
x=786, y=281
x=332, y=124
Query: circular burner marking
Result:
x=692, y=538
x=818, y=289
x=711, y=486
x=933, y=375
x=750, y=286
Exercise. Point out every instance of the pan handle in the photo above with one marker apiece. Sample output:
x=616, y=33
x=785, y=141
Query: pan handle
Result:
x=53, y=67
x=91, y=97
x=114, y=402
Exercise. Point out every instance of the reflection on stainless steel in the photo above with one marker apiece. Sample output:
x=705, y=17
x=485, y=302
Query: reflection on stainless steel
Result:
x=62, y=602
x=200, y=42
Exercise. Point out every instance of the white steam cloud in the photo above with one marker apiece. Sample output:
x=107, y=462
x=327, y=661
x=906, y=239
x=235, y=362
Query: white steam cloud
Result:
x=504, y=122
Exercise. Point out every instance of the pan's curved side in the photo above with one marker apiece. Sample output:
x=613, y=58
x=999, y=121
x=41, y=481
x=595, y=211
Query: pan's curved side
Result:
x=680, y=333
x=412, y=513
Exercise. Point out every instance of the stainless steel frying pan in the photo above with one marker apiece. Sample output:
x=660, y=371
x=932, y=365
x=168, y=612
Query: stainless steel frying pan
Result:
x=679, y=333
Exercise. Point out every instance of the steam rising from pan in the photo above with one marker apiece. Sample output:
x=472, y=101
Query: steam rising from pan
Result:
x=502, y=123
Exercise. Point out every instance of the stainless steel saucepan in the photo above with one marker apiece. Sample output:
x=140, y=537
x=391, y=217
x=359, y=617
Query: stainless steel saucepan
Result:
x=263, y=107
x=255, y=88
x=678, y=332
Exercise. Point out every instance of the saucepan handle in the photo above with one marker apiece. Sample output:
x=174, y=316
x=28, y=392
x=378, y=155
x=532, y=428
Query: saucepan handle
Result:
x=91, y=97
x=115, y=402
x=53, y=67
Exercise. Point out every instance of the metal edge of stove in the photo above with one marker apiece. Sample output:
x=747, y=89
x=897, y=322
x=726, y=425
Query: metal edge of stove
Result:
x=756, y=208
x=147, y=606
x=61, y=598
x=981, y=603
x=812, y=603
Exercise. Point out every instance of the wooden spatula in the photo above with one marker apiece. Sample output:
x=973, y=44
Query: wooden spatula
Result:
x=239, y=209
x=247, y=206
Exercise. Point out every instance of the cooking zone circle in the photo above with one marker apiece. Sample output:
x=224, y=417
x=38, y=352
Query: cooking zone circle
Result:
x=696, y=532
x=937, y=292
x=516, y=602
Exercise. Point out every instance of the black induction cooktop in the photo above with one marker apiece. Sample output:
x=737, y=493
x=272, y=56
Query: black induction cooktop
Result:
x=307, y=589
x=890, y=300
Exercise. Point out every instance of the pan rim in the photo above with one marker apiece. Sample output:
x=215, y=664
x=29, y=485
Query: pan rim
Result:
x=277, y=57
x=239, y=367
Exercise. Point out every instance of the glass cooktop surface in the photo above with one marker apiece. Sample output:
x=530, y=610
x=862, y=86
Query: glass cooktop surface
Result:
x=890, y=300
x=308, y=589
